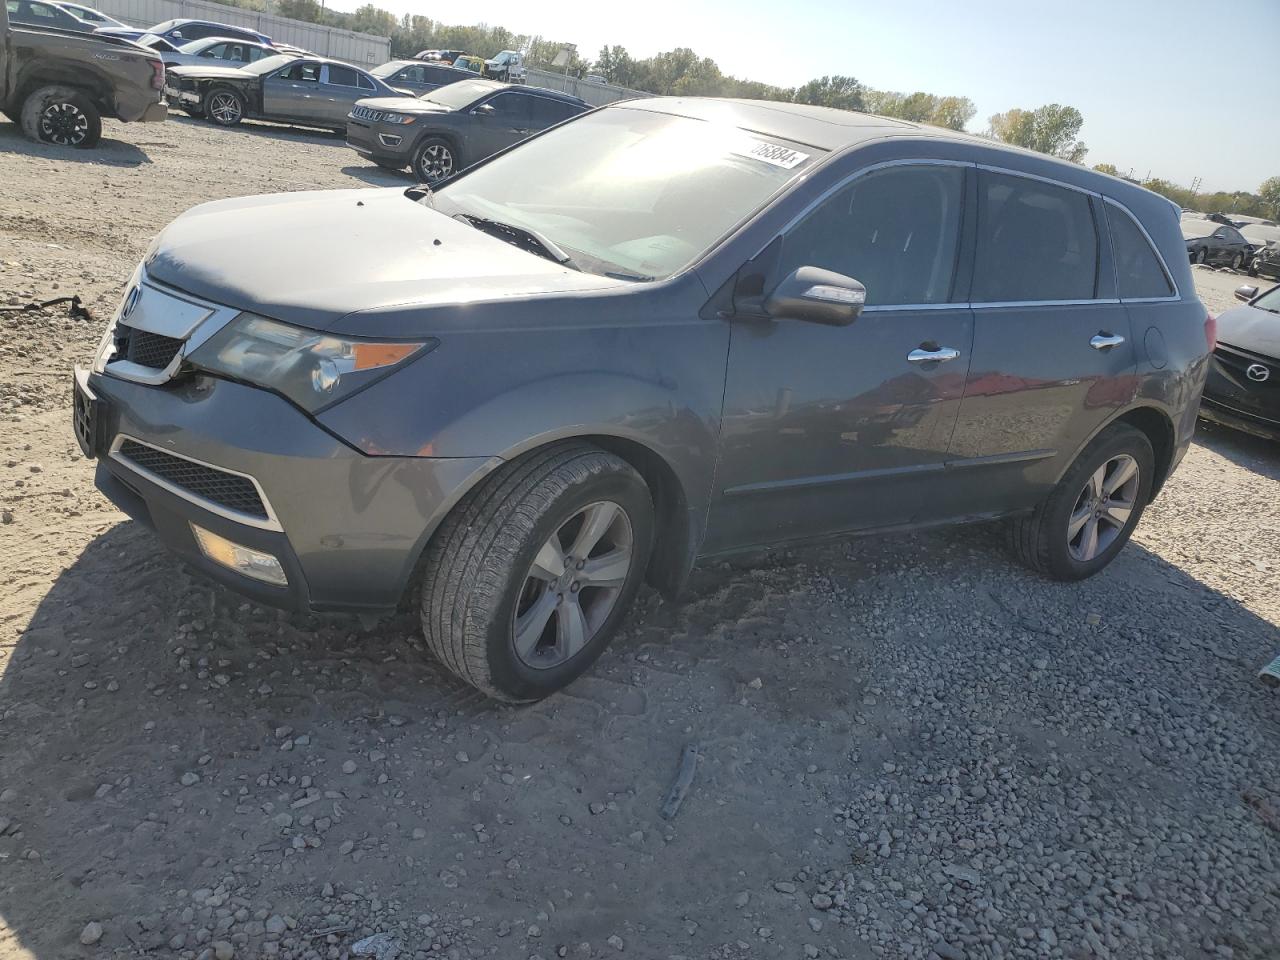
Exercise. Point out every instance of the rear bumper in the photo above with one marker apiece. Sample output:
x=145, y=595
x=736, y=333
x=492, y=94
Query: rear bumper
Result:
x=347, y=528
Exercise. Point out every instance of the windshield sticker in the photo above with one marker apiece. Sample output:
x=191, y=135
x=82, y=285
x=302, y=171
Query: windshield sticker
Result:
x=771, y=153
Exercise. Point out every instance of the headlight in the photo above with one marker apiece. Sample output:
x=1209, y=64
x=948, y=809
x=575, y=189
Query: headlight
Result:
x=398, y=118
x=312, y=369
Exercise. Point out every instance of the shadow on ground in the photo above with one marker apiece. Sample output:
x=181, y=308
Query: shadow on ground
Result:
x=185, y=768
x=109, y=152
x=1243, y=449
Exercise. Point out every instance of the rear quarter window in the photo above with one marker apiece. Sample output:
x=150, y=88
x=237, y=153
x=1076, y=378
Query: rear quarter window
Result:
x=1139, y=274
x=1036, y=242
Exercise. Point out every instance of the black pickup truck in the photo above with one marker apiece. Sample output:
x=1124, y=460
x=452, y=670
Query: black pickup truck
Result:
x=58, y=84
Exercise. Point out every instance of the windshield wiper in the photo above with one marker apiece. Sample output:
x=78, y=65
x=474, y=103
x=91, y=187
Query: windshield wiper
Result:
x=530, y=240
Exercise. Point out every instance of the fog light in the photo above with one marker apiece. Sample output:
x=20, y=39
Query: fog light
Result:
x=241, y=559
x=390, y=139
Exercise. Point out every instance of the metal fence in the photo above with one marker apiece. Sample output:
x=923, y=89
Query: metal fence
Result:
x=596, y=94
x=360, y=48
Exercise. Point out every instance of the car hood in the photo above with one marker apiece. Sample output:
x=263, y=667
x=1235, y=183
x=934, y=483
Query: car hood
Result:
x=1252, y=329
x=406, y=104
x=324, y=258
x=202, y=71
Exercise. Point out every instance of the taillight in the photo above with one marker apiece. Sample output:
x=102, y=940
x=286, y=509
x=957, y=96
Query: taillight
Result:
x=1210, y=331
x=157, y=74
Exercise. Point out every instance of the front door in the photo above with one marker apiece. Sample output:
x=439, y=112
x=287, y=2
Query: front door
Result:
x=1053, y=356
x=293, y=93
x=828, y=429
x=497, y=123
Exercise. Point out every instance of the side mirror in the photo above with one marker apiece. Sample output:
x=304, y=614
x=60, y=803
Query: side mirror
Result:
x=177, y=34
x=1246, y=293
x=483, y=109
x=817, y=296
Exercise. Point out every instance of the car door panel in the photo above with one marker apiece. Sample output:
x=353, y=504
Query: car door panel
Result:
x=292, y=93
x=498, y=122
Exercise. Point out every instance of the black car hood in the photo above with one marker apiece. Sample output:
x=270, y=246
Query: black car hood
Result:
x=317, y=257
x=409, y=103
x=1252, y=329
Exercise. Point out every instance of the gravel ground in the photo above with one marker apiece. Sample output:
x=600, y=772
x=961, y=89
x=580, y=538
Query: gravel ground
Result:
x=909, y=747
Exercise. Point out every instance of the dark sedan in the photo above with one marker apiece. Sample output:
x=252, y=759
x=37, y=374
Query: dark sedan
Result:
x=36, y=14
x=1243, y=389
x=442, y=132
x=1210, y=242
x=416, y=78
x=309, y=91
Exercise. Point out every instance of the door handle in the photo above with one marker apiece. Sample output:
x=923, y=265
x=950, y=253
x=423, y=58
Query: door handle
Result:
x=1105, y=341
x=936, y=355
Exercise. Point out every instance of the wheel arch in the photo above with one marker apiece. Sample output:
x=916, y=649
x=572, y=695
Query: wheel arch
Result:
x=1158, y=427
x=449, y=136
x=88, y=81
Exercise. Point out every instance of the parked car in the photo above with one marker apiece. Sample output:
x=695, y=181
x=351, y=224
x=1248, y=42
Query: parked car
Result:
x=95, y=18
x=215, y=51
x=184, y=30
x=1208, y=241
x=59, y=84
x=439, y=133
x=470, y=64
x=416, y=77
x=1239, y=220
x=37, y=13
x=1264, y=248
x=594, y=78
x=447, y=56
x=655, y=333
x=1243, y=389
x=507, y=66
x=309, y=91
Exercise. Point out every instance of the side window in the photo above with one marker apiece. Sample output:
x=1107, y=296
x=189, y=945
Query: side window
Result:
x=341, y=76
x=1234, y=235
x=547, y=112
x=895, y=230
x=197, y=31
x=1138, y=270
x=364, y=82
x=509, y=107
x=216, y=52
x=257, y=53
x=1036, y=241
x=439, y=75
x=43, y=13
x=303, y=70
x=409, y=75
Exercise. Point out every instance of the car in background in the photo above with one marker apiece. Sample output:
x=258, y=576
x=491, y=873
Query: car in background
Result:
x=1214, y=243
x=37, y=13
x=184, y=30
x=507, y=66
x=470, y=63
x=1264, y=244
x=1243, y=389
x=440, y=133
x=1240, y=220
x=216, y=51
x=95, y=18
x=594, y=78
x=416, y=77
x=307, y=91
x=447, y=56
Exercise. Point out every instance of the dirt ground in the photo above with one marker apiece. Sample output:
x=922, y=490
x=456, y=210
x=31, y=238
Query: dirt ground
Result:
x=909, y=747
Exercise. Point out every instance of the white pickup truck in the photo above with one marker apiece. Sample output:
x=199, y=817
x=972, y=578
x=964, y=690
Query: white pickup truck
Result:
x=507, y=66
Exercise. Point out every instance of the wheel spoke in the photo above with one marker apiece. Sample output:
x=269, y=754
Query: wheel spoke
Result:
x=571, y=628
x=1089, y=539
x=549, y=563
x=1121, y=475
x=607, y=570
x=530, y=625
x=599, y=518
x=1096, y=481
x=1078, y=520
x=1117, y=513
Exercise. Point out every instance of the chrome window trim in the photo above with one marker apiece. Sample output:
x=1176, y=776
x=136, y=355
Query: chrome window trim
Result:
x=1092, y=301
x=885, y=307
x=1035, y=176
x=271, y=523
x=1164, y=265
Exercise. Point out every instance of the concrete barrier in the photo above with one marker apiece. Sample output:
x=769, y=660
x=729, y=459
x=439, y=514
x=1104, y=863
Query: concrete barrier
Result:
x=596, y=94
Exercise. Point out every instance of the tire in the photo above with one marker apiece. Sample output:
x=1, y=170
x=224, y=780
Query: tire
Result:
x=434, y=159
x=1237, y=261
x=481, y=581
x=389, y=164
x=63, y=116
x=1200, y=256
x=223, y=106
x=1043, y=540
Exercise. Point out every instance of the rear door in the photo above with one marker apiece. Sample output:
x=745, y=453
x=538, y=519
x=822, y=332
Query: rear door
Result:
x=1053, y=355
x=547, y=112
x=339, y=90
x=294, y=92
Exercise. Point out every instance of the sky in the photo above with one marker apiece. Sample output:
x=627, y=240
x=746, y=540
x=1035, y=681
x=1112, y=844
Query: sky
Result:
x=1166, y=87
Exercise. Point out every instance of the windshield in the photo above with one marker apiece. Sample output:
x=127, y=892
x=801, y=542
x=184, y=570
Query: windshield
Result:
x=387, y=69
x=627, y=192
x=267, y=64
x=1198, y=228
x=1258, y=233
x=1269, y=300
x=460, y=94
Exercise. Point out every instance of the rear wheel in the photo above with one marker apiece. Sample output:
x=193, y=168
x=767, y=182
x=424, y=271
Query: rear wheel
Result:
x=223, y=106
x=1090, y=515
x=1237, y=261
x=434, y=160
x=533, y=571
x=1199, y=256
x=63, y=116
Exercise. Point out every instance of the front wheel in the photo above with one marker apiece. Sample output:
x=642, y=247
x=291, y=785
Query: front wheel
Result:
x=1090, y=515
x=1199, y=256
x=223, y=106
x=534, y=570
x=1237, y=261
x=62, y=116
x=434, y=160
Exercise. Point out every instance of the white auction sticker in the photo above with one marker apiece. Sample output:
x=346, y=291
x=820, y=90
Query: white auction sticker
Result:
x=772, y=153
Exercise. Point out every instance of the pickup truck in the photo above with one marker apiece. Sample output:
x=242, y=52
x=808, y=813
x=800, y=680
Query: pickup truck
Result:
x=58, y=84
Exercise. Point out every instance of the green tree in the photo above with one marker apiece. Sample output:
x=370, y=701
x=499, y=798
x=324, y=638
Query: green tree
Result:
x=1049, y=129
x=1269, y=194
x=1107, y=168
x=843, y=93
x=953, y=112
x=308, y=10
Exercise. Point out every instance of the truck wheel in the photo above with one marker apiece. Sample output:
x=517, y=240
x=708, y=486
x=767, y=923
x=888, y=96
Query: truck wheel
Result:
x=62, y=116
x=223, y=106
x=533, y=571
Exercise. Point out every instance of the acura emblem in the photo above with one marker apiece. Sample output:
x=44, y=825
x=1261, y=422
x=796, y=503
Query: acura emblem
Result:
x=131, y=300
x=1257, y=373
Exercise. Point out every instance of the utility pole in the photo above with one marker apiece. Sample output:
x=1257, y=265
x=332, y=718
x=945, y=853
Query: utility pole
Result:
x=1195, y=186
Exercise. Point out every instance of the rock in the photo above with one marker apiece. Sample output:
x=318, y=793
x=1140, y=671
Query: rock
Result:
x=91, y=933
x=190, y=779
x=275, y=924
x=223, y=950
x=615, y=941
x=1048, y=936
x=349, y=766
x=822, y=901
x=946, y=951
x=596, y=807
x=785, y=886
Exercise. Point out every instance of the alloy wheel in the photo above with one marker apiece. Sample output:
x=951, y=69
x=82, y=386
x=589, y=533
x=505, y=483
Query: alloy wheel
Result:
x=436, y=163
x=573, y=585
x=1103, y=508
x=224, y=108
x=64, y=123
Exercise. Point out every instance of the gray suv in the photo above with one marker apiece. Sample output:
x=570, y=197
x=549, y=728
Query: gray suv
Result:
x=664, y=331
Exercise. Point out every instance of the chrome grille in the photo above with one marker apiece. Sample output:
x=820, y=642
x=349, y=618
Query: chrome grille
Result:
x=228, y=490
x=367, y=113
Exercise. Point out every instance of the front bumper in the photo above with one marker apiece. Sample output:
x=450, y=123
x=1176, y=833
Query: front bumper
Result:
x=347, y=528
x=377, y=141
x=1217, y=412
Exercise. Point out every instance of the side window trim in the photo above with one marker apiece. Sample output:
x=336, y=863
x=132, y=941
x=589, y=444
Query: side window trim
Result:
x=1168, y=274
